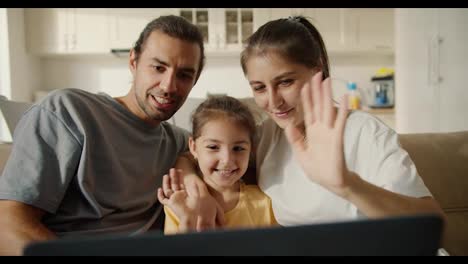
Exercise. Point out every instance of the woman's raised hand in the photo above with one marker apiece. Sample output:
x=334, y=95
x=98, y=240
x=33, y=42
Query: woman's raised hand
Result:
x=319, y=147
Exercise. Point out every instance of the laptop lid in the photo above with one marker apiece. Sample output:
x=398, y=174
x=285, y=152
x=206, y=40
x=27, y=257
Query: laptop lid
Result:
x=411, y=235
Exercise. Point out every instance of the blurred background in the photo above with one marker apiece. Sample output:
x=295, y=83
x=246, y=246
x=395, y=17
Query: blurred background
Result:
x=406, y=66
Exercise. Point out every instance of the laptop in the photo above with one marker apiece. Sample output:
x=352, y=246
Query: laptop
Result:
x=402, y=236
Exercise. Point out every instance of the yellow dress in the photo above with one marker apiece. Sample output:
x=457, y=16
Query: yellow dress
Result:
x=252, y=210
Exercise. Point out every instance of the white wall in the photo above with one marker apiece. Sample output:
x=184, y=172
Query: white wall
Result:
x=24, y=69
x=19, y=72
x=222, y=74
x=4, y=54
x=4, y=69
x=111, y=75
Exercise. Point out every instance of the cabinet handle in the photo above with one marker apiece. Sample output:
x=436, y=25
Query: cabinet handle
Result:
x=433, y=59
x=436, y=40
x=65, y=41
x=74, y=41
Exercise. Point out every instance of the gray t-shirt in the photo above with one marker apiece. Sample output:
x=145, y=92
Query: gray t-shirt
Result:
x=92, y=165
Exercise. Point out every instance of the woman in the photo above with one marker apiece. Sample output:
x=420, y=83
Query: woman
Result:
x=317, y=163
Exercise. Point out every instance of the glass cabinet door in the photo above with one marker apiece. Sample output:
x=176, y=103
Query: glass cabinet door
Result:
x=199, y=17
x=238, y=26
x=246, y=24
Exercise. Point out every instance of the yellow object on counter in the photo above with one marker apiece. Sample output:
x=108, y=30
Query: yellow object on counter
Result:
x=354, y=102
x=382, y=72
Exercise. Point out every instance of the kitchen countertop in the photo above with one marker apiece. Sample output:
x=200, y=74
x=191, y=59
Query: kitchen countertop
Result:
x=379, y=111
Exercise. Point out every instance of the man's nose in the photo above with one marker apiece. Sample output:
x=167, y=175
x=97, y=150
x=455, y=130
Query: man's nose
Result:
x=168, y=84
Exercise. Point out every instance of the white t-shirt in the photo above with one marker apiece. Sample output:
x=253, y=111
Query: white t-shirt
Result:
x=371, y=150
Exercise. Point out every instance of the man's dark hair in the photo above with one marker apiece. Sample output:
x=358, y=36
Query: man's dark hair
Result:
x=176, y=27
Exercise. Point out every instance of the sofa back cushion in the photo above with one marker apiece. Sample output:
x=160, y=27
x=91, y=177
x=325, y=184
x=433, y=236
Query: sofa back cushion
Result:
x=442, y=161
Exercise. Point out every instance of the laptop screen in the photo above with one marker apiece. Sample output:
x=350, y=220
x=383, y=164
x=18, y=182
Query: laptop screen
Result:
x=402, y=236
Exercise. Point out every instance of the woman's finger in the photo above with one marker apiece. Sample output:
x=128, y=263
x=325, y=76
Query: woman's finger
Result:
x=328, y=110
x=307, y=105
x=342, y=114
x=317, y=96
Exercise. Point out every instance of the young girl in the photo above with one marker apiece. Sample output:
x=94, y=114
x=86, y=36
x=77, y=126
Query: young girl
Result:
x=222, y=142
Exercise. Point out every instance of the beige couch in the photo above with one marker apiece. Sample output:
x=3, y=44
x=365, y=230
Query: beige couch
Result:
x=442, y=161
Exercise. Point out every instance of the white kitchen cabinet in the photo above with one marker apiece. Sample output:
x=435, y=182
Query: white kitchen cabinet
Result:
x=373, y=29
x=224, y=29
x=46, y=30
x=351, y=30
x=126, y=24
x=431, y=69
x=66, y=30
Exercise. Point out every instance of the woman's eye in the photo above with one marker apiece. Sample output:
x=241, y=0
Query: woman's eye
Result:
x=238, y=148
x=286, y=82
x=213, y=147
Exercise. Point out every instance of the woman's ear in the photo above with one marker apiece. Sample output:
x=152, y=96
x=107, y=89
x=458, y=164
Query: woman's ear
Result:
x=192, y=147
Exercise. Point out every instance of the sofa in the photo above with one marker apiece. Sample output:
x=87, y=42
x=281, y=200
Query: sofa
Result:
x=441, y=160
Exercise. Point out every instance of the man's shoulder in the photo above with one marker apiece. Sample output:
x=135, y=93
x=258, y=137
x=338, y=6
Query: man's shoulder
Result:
x=69, y=98
x=68, y=93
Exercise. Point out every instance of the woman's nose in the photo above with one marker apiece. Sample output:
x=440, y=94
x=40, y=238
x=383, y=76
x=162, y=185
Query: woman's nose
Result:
x=274, y=99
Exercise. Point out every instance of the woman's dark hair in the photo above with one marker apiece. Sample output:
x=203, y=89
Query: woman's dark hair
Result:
x=294, y=38
x=176, y=27
x=224, y=107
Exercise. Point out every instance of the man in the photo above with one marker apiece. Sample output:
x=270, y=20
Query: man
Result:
x=86, y=164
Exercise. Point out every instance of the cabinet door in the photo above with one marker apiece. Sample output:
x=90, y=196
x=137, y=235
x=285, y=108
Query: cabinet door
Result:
x=260, y=17
x=90, y=31
x=333, y=26
x=238, y=25
x=206, y=20
x=453, y=69
x=276, y=13
x=126, y=24
x=416, y=101
x=47, y=30
x=373, y=28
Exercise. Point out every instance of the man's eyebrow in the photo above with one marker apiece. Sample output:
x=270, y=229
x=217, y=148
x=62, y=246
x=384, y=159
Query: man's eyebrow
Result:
x=184, y=69
x=160, y=61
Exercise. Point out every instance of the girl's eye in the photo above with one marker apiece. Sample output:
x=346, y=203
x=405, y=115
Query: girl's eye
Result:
x=213, y=147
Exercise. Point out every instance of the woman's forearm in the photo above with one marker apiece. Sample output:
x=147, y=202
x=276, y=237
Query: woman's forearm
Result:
x=377, y=202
